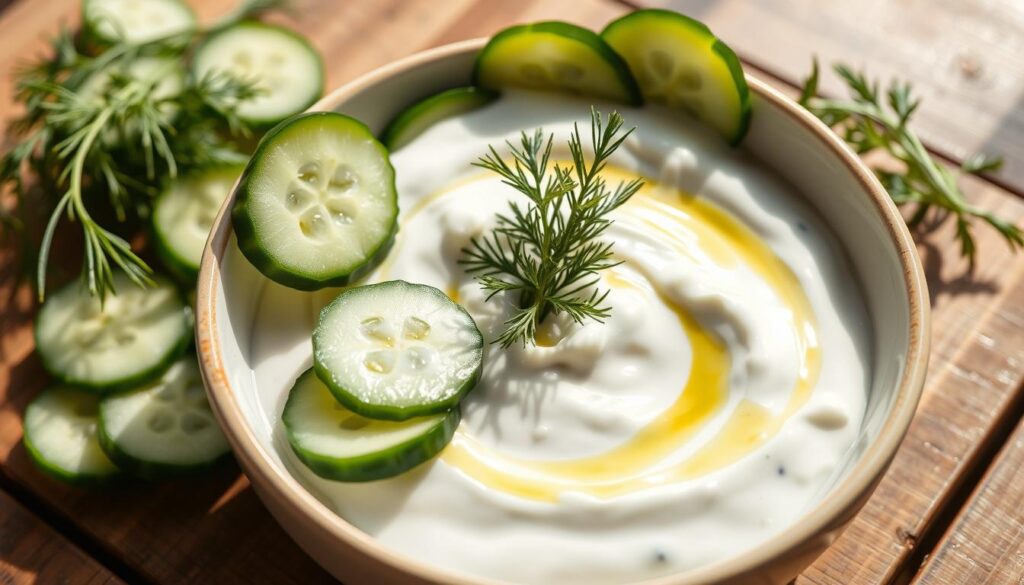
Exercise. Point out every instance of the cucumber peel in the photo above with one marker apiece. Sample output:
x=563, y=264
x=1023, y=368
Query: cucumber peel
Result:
x=680, y=63
x=396, y=350
x=338, y=444
x=555, y=56
x=317, y=205
x=412, y=121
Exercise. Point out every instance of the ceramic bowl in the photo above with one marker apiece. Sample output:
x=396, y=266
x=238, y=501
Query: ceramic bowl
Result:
x=248, y=398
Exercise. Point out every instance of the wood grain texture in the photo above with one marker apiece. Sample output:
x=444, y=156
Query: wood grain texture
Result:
x=214, y=529
x=964, y=59
x=985, y=545
x=31, y=552
x=975, y=373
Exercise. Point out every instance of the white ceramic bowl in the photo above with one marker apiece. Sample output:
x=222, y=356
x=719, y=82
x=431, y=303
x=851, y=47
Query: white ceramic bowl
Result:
x=782, y=134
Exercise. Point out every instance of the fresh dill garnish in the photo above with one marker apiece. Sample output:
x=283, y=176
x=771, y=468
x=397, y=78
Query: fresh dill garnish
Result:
x=548, y=254
x=866, y=124
x=93, y=130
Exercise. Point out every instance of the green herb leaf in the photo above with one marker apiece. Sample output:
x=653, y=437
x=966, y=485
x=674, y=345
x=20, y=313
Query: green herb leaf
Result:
x=549, y=254
x=867, y=124
x=114, y=140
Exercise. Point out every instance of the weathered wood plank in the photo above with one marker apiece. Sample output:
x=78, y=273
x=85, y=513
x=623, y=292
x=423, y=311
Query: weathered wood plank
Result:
x=32, y=552
x=985, y=545
x=962, y=57
x=974, y=374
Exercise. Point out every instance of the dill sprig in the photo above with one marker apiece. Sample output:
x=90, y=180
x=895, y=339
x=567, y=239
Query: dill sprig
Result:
x=868, y=122
x=84, y=142
x=548, y=253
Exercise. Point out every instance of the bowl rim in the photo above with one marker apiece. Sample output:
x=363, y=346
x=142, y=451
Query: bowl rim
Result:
x=844, y=499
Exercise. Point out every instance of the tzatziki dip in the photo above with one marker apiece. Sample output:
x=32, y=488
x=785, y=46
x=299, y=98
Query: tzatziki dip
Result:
x=713, y=407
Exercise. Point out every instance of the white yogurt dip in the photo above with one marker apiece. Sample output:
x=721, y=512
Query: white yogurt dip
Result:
x=710, y=411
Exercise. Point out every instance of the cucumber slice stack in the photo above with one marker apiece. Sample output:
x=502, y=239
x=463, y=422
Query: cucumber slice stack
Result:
x=164, y=427
x=183, y=215
x=285, y=68
x=391, y=362
x=555, y=56
x=128, y=339
x=680, y=63
x=317, y=204
x=60, y=436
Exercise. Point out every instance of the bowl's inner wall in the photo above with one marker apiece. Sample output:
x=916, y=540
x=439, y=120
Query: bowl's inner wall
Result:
x=776, y=137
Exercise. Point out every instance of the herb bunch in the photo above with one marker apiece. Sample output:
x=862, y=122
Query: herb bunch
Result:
x=867, y=122
x=95, y=136
x=548, y=253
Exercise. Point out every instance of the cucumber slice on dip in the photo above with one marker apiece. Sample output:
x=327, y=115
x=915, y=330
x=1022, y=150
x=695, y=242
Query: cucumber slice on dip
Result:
x=131, y=338
x=555, y=56
x=163, y=428
x=284, y=67
x=317, y=205
x=680, y=63
x=183, y=215
x=336, y=443
x=134, y=21
x=415, y=119
x=60, y=436
x=396, y=350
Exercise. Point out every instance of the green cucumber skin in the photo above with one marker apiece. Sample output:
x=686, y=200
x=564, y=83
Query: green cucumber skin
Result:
x=180, y=268
x=92, y=42
x=63, y=475
x=466, y=98
x=268, y=123
x=398, y=413
x=142, y=377
x=382, y=464
x=577, y=33
x=149, y=470
x=736, y=69
x=718, y=47
x=245, y=229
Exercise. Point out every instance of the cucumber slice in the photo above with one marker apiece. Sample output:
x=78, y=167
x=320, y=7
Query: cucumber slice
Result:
x=165, y=73
x=338, y=444
x=135, y=21
x=317, y=204
x=183, y=215
x=414, y=120
x=555, y=56
x=284, y=67
x=164, y=427
x=133, y=337
x=396, y=350
x=60, y=436
x=680, y=63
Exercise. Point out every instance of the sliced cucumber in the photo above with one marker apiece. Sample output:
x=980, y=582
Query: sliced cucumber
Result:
x=135, y=21
x=555, y=56
x=680, y=63
x=284, y=67
x=317, y=204
x=131, y=338
x=60, y=435
x=164, y=427
x=336, y=443
x=183, y=215
x=415, y=119
x=164, y=73
x=396, y=350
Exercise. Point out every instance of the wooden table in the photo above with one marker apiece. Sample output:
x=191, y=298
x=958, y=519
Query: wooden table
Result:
x=950, y=510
